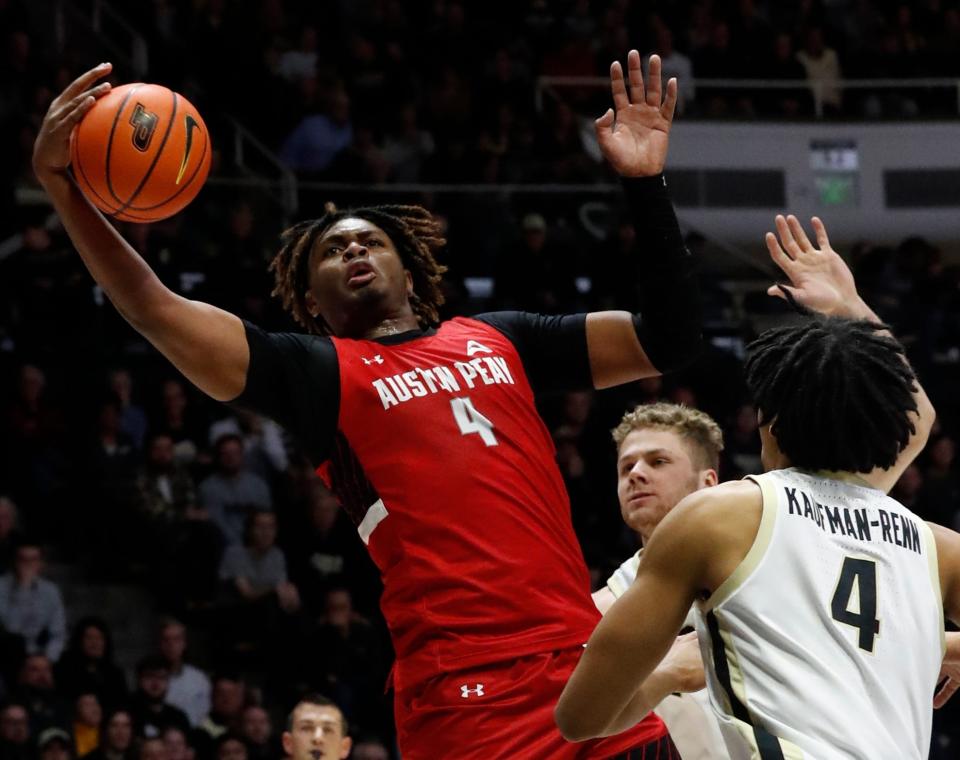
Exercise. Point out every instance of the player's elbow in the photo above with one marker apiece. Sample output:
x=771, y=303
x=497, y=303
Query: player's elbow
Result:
x=575, y=724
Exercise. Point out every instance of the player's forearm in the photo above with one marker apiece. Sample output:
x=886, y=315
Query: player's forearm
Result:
x=952, y=655
x=652, y=692
x=670, y=326
x=126, y=278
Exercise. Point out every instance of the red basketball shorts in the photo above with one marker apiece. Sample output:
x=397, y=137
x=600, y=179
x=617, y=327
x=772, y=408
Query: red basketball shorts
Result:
x=505, y=710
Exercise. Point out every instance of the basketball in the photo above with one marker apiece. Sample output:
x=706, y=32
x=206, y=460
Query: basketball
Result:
x=141, y=154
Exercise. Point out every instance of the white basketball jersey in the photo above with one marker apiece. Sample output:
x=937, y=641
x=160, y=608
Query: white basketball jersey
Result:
x=826, y=641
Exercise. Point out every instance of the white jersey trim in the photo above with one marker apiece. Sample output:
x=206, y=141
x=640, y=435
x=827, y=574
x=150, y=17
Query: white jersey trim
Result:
x=758, y=549
x=935, y=579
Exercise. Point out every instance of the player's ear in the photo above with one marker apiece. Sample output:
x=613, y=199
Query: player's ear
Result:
x=312, y=306
x=708, y=478
x=409, y=278
x=287, y=741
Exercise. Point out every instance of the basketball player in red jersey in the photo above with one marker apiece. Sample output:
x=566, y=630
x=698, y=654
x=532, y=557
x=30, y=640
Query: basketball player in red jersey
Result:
x=428, y=433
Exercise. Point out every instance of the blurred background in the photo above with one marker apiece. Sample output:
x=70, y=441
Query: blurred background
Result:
x=114, y=470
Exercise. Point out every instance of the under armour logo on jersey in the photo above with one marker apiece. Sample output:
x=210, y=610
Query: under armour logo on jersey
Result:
x=466, y=692
x=375, y=360
x=476, y=348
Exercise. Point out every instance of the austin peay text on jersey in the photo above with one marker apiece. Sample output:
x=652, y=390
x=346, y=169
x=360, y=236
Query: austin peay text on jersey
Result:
x=417, y=383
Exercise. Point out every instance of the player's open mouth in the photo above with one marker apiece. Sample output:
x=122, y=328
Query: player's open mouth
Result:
x=361, y=279
x=359, y=273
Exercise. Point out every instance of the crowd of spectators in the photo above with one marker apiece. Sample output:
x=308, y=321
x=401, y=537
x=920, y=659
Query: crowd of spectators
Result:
x=116, y=468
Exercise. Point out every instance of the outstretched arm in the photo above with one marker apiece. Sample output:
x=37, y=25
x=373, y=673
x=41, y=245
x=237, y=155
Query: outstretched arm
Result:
x=634, y=136
x=693, y=550
x=821, y=281
x=207, y=344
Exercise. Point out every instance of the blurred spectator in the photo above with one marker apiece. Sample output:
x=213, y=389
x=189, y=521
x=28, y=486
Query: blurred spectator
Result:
x=227, y=700
x=189, y=687
x=823, y=70
x=301, y=62
x=148, y=707
x=673, y=63
x=348, y=655
x=54, y=744
x=36, y=689
x=178, y=419
x=258, y=568
x=87, y=666
x=783, y=65
x=316, y=720
x=259, y=599
x=256, y=730
x=407, y=146
x=742, y=450
x=265, y=453
x=175, y=536
x=166, y=491
x=176, y=743
x=230, y=747
x=87, y=718
x=133, y=420
x=10, y=535
x=941, y=488
x=536, y=274
x=32, y=606
x=15, y=740
x=319, y=137
x=116, y=737
x=232, y=493
x=151, y=748
x=326, y=550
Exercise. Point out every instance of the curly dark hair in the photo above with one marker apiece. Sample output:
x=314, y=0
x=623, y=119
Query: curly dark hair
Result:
x=838, y=392
x=413, y=230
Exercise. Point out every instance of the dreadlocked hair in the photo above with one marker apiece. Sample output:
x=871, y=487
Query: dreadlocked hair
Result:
x=837, y=392
x=413, y=230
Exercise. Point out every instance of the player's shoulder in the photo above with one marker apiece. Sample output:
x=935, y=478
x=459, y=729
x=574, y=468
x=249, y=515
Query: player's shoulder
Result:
x=733, y=496
x=718, y=516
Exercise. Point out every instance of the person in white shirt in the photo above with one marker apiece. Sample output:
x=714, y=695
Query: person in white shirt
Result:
x=189, y=687
x=665, y=452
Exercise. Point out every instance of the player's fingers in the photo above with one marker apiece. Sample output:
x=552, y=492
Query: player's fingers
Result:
x=653, y=78
x=80, y=111
x=605, y=123
x=799, y=234
x=780, y=257
x=68, y=112
x=635, y=74
x=84, y=82
x=946, y=690
x=820, y=231
x=617, y=86
x=670, y=101
x=787, y=240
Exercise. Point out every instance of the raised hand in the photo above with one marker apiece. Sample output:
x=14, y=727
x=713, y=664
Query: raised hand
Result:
x=819, y=278
x=51, y=151
x=634, y=134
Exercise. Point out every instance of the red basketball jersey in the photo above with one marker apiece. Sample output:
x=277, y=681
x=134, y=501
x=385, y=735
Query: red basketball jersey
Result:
x=447, y=469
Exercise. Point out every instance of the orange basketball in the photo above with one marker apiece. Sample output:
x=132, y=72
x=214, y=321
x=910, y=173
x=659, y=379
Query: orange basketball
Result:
x=142, y=153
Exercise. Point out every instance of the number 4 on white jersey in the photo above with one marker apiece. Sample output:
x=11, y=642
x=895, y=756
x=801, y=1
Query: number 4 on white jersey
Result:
x=471, y=421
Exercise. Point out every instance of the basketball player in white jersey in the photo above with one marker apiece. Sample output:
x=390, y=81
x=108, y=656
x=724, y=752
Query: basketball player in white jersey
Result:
x=665, y=452
x=819, y=599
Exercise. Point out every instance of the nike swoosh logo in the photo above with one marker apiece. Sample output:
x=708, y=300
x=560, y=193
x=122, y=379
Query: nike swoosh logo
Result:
x=191, y=124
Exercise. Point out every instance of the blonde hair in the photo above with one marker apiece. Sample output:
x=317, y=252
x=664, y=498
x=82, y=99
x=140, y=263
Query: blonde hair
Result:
x=696, y=428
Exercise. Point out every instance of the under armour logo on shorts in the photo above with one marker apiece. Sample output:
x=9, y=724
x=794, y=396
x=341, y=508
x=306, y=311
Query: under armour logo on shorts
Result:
x=476, y=691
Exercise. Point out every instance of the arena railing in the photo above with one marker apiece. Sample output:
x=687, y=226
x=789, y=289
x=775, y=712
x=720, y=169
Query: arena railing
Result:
x=818, y=90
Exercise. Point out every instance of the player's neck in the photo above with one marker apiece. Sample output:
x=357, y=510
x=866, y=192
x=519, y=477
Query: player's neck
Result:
x=393, y=324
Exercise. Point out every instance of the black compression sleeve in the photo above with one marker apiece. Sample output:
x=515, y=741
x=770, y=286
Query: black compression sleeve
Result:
x=670, y=321
x=295, y=380
x=553, y=349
